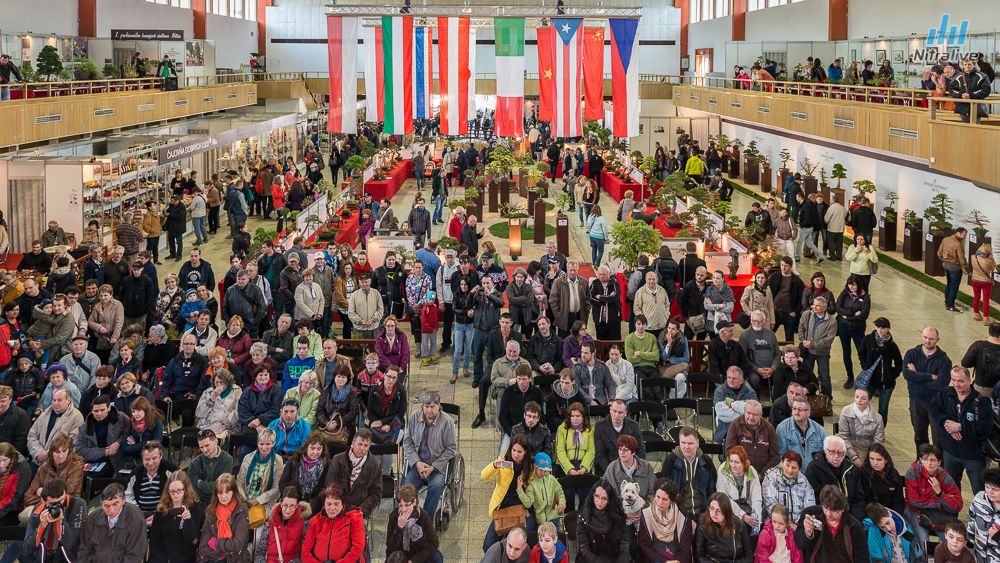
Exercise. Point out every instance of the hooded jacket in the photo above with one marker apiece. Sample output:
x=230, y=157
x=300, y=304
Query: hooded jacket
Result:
x=704, y=481
x=86, y=439
x=760, y=443
x=880, y=547
x=768, y=540
x=557, y=403
x=233, y=549
x=849, y=305
x=796, y=495
x=511, y=408
x=264, y=406
x=561, y=555
x=890, y=366
x=24, y=383
x=749, y=494
x=920, y=383
x=820, y=332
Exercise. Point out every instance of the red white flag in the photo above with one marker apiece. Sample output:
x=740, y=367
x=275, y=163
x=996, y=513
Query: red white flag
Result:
x=567, y=56
x=453, y=74
x=593, y=74
x=545, y=70
x=342, y=41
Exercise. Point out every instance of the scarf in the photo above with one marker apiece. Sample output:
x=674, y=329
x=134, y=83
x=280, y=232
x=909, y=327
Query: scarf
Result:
x=341, y=396
x=257, y=461
x=312, y=290
x=308, y=464
x=261, y=388
x=577, y=434
x=356, y=464
x=226, y=392
x=309, y=475
x=882, y=341
x=600, y=521
x=411, y=531
x=664, y=522
x=139, y=426
x=629, y=471
x=760, y=288
x=719, y=296
x=862, y=414
x=386, y=399
x=222, y=514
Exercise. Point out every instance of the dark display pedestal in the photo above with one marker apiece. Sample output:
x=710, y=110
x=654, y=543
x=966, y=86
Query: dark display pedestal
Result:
x=886, y=234
x=913, y=242
x=562, y=235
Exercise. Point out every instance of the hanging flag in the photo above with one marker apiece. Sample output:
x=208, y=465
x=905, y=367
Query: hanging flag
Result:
x=625, y=77
x=373, y=73
x=545, y=71
x=567, y=56
x=397, y=63
x=472, y=73
x=593, y=74
x=509, y=116
x=423, y=72
x=453, y=74
x=342, y=40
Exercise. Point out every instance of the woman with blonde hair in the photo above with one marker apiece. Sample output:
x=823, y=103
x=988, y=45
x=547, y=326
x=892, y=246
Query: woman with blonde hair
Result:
x=345, y=284
x=216, y=409
x=597, y=229
x=236, y=341
x=626, y=206
x=307, y=396
x=226, y=531
x=983, y=265
x=128, y=391
x=260, y=472
x=176, y=526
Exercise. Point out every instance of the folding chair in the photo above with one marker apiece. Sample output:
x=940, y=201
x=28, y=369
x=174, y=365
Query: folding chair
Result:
x=544, y=382
x=652, y=384
x=94, y=486
x=569, y=524
x=649, y=436
x=651, y=411
x=706, y=402
x=598, y=411
x=689, y=405
x=709, y=448
x=237, y=441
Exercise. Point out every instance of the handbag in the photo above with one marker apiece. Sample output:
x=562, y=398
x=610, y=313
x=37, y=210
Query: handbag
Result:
x=258, y=515
x=338, y=437
x=506, y=519
x=697, y=323
x=822, y=405
x=866, y=375
x=743, y=320
x=873, y=267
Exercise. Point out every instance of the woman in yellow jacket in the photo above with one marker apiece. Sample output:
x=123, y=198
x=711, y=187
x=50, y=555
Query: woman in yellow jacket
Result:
x=516, y=465
x=694, y=168
x=575, y=450
x=861, y=255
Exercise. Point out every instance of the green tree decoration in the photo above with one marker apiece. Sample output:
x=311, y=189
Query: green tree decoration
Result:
x=839, y=172
x=865, y=187
x=630, y=238
x=49, y=64
x=939, y=213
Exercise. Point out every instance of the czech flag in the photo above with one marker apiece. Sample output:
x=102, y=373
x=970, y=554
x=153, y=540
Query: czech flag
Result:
x=625, y=76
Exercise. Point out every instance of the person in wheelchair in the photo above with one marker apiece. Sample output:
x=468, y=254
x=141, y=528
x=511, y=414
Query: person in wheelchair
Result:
x=430, y=443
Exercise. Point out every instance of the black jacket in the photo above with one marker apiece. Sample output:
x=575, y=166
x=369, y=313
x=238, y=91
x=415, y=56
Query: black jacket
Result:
x=172, y=540
x=848, y=306
x=554, y=411
x=715, y=548
x=396, y=408
x=138, y=296
x=794, y=291
x=809, y=216
x=888, y=369
x=691, y=299
x=606, y=442
x=606, y=303
x=469, y=237
x=176, y=219
x=542, y=350
x=264, y=406
x=14, y=426
x=26, y=304
x=976, y=84
x=512, y=401
x=688, y=265
x=820, y=474
x=887, y=490
x=391, y=284
x=785, y=375
x=248, y=303
x=115, y=274
x=8, y=69
x=670, y=275
x=849, y=546
x=285, y=341
x=496, y=346
x=611, y=547
x=538, y=436
x=863, y=219
x=24, y=383
x=277, y=263
x=723, y=355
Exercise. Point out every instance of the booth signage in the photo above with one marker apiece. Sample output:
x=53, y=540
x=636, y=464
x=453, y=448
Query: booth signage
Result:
x=148, y=34
x=176, y=152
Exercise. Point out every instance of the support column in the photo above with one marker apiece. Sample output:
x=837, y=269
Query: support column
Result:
x=88, y=18
x=838, y=20
x=261, y=25
x=685, y=8
x=740, y=20
x=198, y=7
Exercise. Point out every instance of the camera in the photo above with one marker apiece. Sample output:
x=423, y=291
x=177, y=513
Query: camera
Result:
x=54, y=509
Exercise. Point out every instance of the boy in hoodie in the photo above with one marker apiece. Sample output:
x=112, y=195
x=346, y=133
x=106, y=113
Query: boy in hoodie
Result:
x=549, y=548
x=543, y=493
x=564, y=394
x=889, y=538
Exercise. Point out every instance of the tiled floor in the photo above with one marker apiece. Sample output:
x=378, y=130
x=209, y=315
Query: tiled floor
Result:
x=910, y=306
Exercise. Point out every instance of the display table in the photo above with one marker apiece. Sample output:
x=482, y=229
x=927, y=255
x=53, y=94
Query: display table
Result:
x=738, y=286
x=389, y=186
x=617, y=187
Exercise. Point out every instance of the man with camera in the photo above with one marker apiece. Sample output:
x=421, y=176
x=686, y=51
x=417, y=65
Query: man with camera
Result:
x=53, y=533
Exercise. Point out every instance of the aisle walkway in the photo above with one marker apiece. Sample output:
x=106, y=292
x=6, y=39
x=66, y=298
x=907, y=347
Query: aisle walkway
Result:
x=908, y=305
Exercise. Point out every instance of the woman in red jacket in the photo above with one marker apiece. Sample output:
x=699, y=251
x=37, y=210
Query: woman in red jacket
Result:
x=281, y=536
x=236, y=341
x=337, y=533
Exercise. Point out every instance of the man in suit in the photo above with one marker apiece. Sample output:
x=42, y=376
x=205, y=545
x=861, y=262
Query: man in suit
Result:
x=569, y=300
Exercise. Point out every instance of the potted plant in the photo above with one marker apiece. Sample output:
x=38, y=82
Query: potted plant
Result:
x=48, y=62
x=447, y=243
x=824, y=188
x=978, y=236
x=734, y=158
x=864, y=188
x=563, y=202
x=784, y=172
x=751, y=174
x=939, y=215
x=723, y=143
x=808, y=171
x=887, y=224
x=84, y=69
x=913, y=236
x=355, y=165
x=631, y=238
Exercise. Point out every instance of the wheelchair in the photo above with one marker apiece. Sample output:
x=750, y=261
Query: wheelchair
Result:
x=453, y=493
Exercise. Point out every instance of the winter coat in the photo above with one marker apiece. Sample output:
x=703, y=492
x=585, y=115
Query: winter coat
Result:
x=288, y=534
x=133, y=452
x=860, y=434
x=974, y=414
x=890, y=366
x=649, y=545
x=750, y=494
x=522, y=303
x=670, y=275
x=70, y=471
x=880, y=546
x=395, y=354
x=704, y=481
x=760, y=443
x=176, y=219
x=554, y=409
x=644, y=476
x=559, y=301
x=309, y=301
x=175, y=384
x=110, y=316
x=919, y=382
x=24, y=383
x=247, y=303
x=594, y=547
x=232, y=550
x=366, y=492
x=238, y=346
x=820, y=332
x=125, y=544
x=270, y=497
x=219, y=413
x=795, y=288
x=348, y=409
x=836, y=218
x=820, y=474
x=606, y=441
x=341, y=539
x=795, y=497
x=920, y=494
x=86, y=439
x=767, y=541
x=263, y=406
x=982, y=517
x=887, y=489
x=850, y=545
x=600, y=379
x=151, y=224
x=714, y=548
x=754, y=300
x=976, y=84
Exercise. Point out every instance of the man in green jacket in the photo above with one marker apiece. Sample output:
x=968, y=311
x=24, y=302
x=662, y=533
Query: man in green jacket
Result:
x=208, y=466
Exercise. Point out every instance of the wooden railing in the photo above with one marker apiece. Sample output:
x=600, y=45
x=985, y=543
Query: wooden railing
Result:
x=40, y=90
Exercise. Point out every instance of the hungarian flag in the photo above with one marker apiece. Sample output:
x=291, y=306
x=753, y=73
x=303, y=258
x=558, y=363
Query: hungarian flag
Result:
x=545, y=71
x=593, y=74
x=509, y=116
x=342, y=40
x=567, y=56
x=625, y=77
x=372, y=37
x=397, y=64
x=453, y=74
x=423, y=56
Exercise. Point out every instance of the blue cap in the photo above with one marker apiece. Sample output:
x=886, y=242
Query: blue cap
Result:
x=58, y=366
x=543, y=461
x=431, y=296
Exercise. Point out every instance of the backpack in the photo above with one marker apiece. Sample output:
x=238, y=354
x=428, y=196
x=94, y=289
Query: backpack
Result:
x=988, y=366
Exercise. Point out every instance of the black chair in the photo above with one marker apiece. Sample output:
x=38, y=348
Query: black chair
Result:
x=236, y=441
x=663, y=446
x=690, y=405
x=652, y=411
x=94, y=486
x=709, y=448
x=706, y=402
x=16, y=533
x=649, y=436
x=569, y=524
x=598, y=411
x=584, y=481
x=650, y=385
x=545, y=380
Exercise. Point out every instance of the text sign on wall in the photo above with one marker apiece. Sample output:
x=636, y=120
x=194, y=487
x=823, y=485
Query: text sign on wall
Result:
x=148, y=34
x=176, y=152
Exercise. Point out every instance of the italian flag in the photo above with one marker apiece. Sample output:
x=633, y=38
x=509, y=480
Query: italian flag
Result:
x=397, y=65
x=509, y=115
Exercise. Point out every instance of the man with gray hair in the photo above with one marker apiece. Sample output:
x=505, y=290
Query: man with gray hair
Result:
x=817, y=330
x=129, y=237
x=761, y=348
x=54, y=235
x=116, y=269
x=430, y=444
x=730, y=401
x=801, y=434
x=831, y=468
x=756, y=435
x=60, y=419
x=359, y=473
x=114, y=534
x=513, y=549
x=245, y=300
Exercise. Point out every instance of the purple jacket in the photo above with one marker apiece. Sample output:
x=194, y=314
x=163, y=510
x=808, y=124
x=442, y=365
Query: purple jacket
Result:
x=571, y=349
x=396, y=355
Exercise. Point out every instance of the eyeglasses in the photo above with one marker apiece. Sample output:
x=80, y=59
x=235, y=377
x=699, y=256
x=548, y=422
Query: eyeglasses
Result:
x=836, y=453
x=391, y=377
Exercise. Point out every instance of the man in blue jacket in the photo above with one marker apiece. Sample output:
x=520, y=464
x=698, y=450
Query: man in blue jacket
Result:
x=926, y=369
x=967, y=420
x=291, y=430
x=835, y=72
x=182, y=377
x=692, y=470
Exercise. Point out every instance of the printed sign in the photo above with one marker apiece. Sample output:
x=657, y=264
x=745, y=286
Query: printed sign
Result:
x=176, y=152
x=148, y=34
x=930, y=237
x=562, y=222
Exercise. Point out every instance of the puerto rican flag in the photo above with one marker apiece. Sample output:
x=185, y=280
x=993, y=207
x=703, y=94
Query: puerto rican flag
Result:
x=625, y=77
x=423, y=72
x=567, y=58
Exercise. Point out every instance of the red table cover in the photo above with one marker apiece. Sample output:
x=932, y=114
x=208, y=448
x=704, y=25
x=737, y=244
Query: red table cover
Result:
x=617, y=187
x=389, y=186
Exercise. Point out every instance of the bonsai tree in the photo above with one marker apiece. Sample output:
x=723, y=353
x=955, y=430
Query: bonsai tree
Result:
x=890, y=210
x=910, y=218
x=84, y=67
x=356, y=164
x=722, y=141
x=671, y=188
x=752, y=150
x=977, y=218
x=49, y=64
x=502, y=161
x=939, y=213
x=630, y=239
x=839, y=172
x=723, y=208
x=563, y=202
x=28, y=74
x=865, y=187
x=259, y=236
x=809, y=168
x=447, y=243
x=785, y=157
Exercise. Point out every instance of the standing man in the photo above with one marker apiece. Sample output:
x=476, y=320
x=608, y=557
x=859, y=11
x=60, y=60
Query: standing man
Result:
x=653, y=303
x=984, y=356
x=568, y=299
x=552, y=256
x=809, y=221
x=864, y=221
x=836, y=218
x=470, y=236
x=365, y=308
x=324, y=275
x=390, y=280
x=691, y=301
x=270, y=265
x=114, y=534
x=926, y=369
x=430, y=444
x=761, y=348
x=245, y=300
x=420, y=218
x=176, y=225
x=606, y=305
x=786, y=289
x=138, y=296
x=446, y=296
x=196, y=272
x=967, y=420
x=817, y=332
x=971, y=84
x=952, y=256
x=6, y=69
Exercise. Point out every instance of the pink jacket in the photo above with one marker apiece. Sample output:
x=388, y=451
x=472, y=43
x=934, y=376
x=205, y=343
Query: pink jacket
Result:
x=766, y=543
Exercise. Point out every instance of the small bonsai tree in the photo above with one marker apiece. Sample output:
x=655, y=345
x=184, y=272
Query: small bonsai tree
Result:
x=49, y=64
x=723, y=208
x=809, y=168
x=977, y=218
x=865, y=187
x=822, y=176
x=785, y=157
x=563, y=202
x=631, y=238
x=892, y=198
x=737, y=146
x=910, y=218
x=939, y=213
x=839, y=172
x=356, y=164
x=723, y=142
x=752, y=150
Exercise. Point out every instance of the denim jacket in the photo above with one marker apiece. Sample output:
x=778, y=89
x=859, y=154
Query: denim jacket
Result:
x=789, y=438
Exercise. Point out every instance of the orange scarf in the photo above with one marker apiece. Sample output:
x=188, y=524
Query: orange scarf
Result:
x=222, y=514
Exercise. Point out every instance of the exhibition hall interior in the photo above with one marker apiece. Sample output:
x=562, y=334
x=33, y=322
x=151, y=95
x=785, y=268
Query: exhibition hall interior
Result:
x=569, y=280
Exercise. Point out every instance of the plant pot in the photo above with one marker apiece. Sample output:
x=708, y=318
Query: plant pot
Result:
x=765, y=180
x=913, y=241
x=810, y=186
x=505, y=184
x=783, y=174
x=824, y=190
x=932, y=264
x=751, y=172
x=886, y=233
x=467, y=183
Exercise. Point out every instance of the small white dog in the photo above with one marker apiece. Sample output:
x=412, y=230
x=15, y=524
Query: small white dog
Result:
x=632, y=502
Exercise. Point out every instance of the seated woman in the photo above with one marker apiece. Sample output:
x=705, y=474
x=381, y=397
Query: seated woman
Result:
x=128, y=391
x=721, y=538
x=304, y=327
x=175, y=531
x=102, y=386
x=575, y=449
x=777, y=538
x=159, y=351
x=387, y=411
x=63, y=463
x=338, y=407
x=258, y=360
x=218, y=359
x=337, y=533
x=235, y=340
x=600, y=526
x=307, y=396
x=133, y=335
x=144, y=424
x=876, y=481
x=631, y=469
x=410, y=530
x=740, y=482
x=623, y=375
x=392, y=347
x=793, y=369
x=666, y=529
x=286, y=526
x=226, y=530
x=861, y=427
x=216, y=409
x=260, y=403
x=306, y=469
x=57, y=381
x=515, y=466
x=15, y=474
x=260, y=473
x=785, y=484
x=571, y=345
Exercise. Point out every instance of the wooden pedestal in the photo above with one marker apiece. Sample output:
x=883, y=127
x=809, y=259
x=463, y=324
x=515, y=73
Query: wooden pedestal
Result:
x=810, y=186
x=734, y=169
x=932, y=265
x=562, y=235
x=494, y=197
x=765, y=180
x=913, y=242
x=751, y=172
x=886, y=234
x=539, y=221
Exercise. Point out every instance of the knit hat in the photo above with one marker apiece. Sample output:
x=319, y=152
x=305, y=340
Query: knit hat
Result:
x=190, y=291
x=543, y=461
x=58, y=366
x=45, y=302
